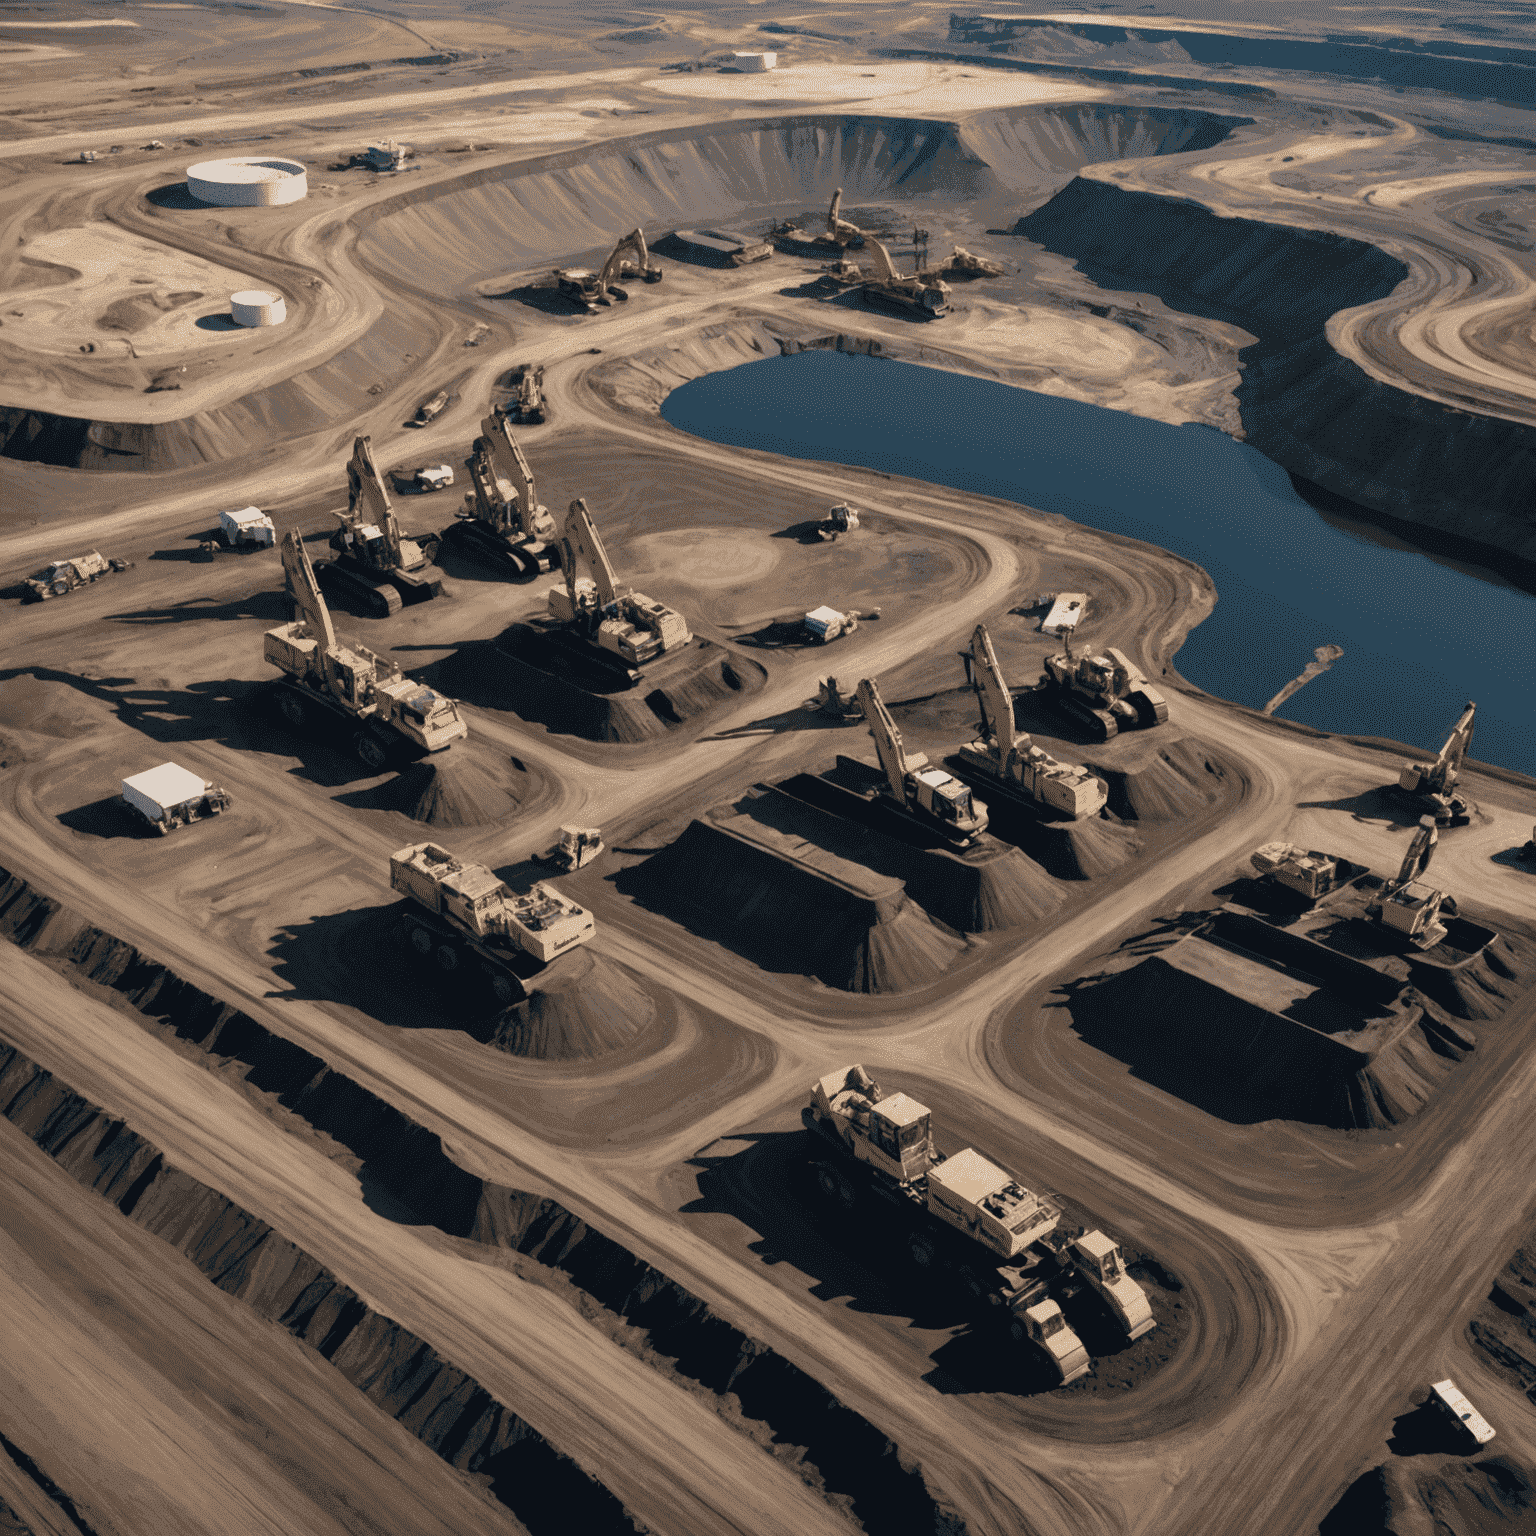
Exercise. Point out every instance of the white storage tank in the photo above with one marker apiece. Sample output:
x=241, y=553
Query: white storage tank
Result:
x=249, y=181
x=255, y=306
x=755, y=63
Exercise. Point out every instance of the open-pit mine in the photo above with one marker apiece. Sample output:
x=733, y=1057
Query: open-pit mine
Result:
x=767, y=769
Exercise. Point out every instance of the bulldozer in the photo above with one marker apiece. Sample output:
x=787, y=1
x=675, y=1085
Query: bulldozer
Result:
x=962, y=263
x=1406, y=906
x=924, y=293
x=588, y=290
x=578, y=846
x=840, y=235
x=620, y=628
x=1432, y=786
x=1106, y=693
x=1305, y=871
x=841, y=519
x=935, y=799
x=502, y=521
x=375, y=565
x=1012, y=764
x=350, y=686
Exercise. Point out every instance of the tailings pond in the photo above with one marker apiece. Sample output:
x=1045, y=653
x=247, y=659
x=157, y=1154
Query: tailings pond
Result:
x=1419, y=638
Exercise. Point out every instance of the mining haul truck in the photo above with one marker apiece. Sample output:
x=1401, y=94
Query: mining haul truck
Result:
x=961, y=1213
x=376, y=566
x=502, y=521
x=350, y=686
x=429, y=410
x=1105, y=693
x=823, y=625
x=841, y=519
x=587, y=289
x=245, y=528
x=169, y=796
x=1012, y=764
x=935, y=799
x=1432, y=786
x=601, y=623
x=65, y=575
x=1305, y=871
x=463, y=916
x=1407, y=906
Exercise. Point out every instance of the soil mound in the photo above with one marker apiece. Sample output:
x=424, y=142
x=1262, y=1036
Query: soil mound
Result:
x=789, y=905
x=1077, y=850
x=1443, y=1493
x=582, y=1006
x=1482, y=987
x=1157, y=778
x=451, y=791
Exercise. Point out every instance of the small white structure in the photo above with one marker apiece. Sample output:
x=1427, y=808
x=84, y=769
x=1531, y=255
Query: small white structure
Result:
x=251, y=181
x=1065, y=612
x=387, y=155
x=756, y=63
x=255, y=306
x=168, y=796
x=246, y=527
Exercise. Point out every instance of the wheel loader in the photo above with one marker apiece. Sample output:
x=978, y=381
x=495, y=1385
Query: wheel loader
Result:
x=502, y=521
x=1106, y=693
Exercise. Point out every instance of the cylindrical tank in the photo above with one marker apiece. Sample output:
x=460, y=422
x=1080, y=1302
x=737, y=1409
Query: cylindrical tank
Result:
x=255, y=306
x=250, y=181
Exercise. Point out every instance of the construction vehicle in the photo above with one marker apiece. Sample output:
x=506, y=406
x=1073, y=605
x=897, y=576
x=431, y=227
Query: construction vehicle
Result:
x=1098, y=1260
x=1010, y=760
x=961, y=263
x=65, y=575
x=587, y=289
x=1066, y=612
x=725, y=245
x=364, y=693
x=923, y=293
x=1528, y=850
x=245, y=528
x=1432, y=786
x=578, y=846
x=461, y=915
x=502, y=520
x=433, y=477
x=936, y=799
x=386, y=156
x=528, y=381
x=1106, y=693
x=429, y=410
x=375, y=565
x=838, y=237
x=841, y=519
x=844, y=273
x=824, y=625
x=621, y=628
x=831, y=701
x=1303, y=870
x=1406, y=905
x=1472, y=1429
x=169, y=796
x=962, y=1213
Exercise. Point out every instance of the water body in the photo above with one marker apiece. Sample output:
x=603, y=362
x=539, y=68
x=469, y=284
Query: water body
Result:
x=1419, y=639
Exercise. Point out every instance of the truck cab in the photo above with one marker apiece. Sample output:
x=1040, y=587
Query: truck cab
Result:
x=1305, y=871
x=1099, y=1261
x=1044, y=1326
x=942, y=796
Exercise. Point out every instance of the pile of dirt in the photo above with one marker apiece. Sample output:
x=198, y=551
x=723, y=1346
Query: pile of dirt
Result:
x=1504, y=1327
x=1441, y=1494
x=1154, y=777
x=789, y=905
x=451, y=790
x=1481, y=987
x=582, y=1005
x=1076, y=850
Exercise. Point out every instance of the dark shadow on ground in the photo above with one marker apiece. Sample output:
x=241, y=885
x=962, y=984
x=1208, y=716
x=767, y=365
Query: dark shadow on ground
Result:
x=269, y=606
x=1380, y=804
x=1424, y=1431
x=175, y=194
x=107, y=818
x=547, y=300
x=219, y=323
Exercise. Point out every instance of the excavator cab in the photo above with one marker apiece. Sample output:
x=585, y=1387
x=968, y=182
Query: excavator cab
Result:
x=944, y=796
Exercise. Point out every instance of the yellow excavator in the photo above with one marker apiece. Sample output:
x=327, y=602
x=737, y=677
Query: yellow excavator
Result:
x=502, y=521
x=588, y=290
x=1432, y=786
x=1012, y=764
x=840, y=235
x=923, y=293
x=1408, y=906
x=1106, y=693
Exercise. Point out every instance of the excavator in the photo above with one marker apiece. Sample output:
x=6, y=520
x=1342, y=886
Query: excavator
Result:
x=376, y=566
x=349, y=685
x=1432, y=786
x=615, y=626
x=931, y=797
x=1012, y=763
x=528, y=379
x=924, y=293
x=963, y=263
x=1406, y=905
x=587, y=289
x=1106, y=693
x=839, y=236
x=502, y=521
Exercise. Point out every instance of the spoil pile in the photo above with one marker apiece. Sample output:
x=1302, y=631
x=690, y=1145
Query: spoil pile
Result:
x=1446, y=1495
x=451, y=791
x=1069, y=850
x=582, y=1005
x=1504, y=1327
x=1155, y=778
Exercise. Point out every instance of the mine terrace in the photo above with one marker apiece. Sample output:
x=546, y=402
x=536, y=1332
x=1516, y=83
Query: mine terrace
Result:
x=669, y=856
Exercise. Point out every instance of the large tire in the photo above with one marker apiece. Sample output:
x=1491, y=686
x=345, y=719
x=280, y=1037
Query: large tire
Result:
x=1018, y=1332
x=370, y=751
x=59, y=587
x=293, y=709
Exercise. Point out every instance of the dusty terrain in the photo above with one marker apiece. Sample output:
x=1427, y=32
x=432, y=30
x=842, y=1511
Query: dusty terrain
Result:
x=561, y=1266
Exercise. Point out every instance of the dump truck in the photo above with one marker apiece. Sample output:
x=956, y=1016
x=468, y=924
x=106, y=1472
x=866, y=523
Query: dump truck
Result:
x=65, y=575
x=462, y=916
x=1098, y=1260
x=578, y=846
x=245, y=528
x=1432, y=787
x=169, y=796
x=1407, y=906
x=962, y=263
x=621, y=629
x=588, y=290
x=429, y=410
x=726, y=246
x=375, y=565
x=923, y=293
x=1106, y=692
x=823, y=625
x=1007, y=758
x=841, y=519
x=930, y=796
x=1306, y=871
x=385, y=712
x=528, y=381
x=502, y=521
x=960, y=1213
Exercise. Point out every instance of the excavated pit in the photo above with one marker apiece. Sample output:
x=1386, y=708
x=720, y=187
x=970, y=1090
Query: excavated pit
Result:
x=836, y=1450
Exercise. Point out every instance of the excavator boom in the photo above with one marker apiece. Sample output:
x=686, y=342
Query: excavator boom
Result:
x=367, y=500
x=1448, y=764
x=1420, y=851
x=586, y=557
x=512, y=469
x=308, y=604
x=992, y=693
x=634, y=242
x=888, y=744
x=884, y=271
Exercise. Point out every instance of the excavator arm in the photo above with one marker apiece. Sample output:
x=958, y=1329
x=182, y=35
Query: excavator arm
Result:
x=992, y=693
x=308, y=604
x=893, y=757
x=514, y=477
x=1420, y=851
x=368, y=501
x=585, y=556
x=633, y=242
x=1448, y=764
x=884, y=271
x=838, y=228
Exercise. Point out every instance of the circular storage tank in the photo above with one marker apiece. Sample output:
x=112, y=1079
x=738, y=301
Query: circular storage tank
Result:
x=253, y=181
x=257, y=307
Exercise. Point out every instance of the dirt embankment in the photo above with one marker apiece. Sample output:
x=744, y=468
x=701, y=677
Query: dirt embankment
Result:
x=1504, y=1327
x=1437, y=1495
x=1310, y=409
x=835, y=1449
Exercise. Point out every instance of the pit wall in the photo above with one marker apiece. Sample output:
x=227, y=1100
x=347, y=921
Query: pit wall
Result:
x=1311, y=410
x=834, y=1448
x=439, y=238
